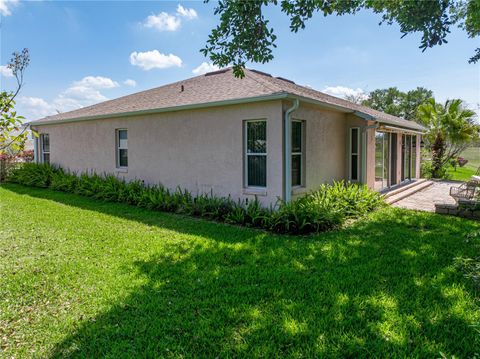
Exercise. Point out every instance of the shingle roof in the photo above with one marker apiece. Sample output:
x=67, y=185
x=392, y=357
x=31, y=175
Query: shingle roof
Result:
x=216, y=87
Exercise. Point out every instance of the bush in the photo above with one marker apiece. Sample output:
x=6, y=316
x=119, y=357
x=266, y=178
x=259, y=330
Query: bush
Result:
x=318, y=211
x=427, y=171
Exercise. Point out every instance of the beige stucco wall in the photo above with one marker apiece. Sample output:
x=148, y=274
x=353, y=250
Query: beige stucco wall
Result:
x=198, y=150
x=202, y=150
x=325, y=146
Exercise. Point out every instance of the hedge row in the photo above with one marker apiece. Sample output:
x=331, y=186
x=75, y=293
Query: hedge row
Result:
x=322, y=210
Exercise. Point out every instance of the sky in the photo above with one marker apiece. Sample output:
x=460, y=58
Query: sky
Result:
x=84, y=52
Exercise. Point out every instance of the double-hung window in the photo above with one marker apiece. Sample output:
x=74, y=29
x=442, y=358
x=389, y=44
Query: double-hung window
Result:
x=354, y=153
x=297, y=153
x=45, y=145
x=122, y=148
x=255, y=153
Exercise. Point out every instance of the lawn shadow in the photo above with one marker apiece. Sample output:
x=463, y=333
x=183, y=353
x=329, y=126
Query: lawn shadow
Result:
x=382, y=287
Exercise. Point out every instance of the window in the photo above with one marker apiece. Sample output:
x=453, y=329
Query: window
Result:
x=297, y=153
x=122, y=149
x=256, y=153
x=354, y=153
x=45, y=145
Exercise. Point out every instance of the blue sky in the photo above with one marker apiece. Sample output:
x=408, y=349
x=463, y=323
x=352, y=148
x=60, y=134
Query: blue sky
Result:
x=86, y=52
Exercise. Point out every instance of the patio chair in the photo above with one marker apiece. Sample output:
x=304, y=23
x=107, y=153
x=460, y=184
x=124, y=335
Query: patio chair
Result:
x=476, y=176
x=464, y=191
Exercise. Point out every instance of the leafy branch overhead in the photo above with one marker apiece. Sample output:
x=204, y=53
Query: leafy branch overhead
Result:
x=12, y=132
x=244, y=34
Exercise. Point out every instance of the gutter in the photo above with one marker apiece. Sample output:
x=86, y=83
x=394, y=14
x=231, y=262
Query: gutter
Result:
x=287, y=144
x=400, y=129
x=275, y=96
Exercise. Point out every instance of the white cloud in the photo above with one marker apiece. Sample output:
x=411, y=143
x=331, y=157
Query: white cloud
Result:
x=344, y=92
x=169, y=22
x=5, y=71
x=97, y=82
x=34, y=107
x=186, y=13
x=130, y=83
x=163, y=22
x=80, y=93
x=83, y=94
x=6, y=7
x=205, y=67
x=154, y=60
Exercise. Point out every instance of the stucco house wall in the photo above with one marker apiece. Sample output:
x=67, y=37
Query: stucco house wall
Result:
x=202, y=150
x=325, y=146
x=198, y=150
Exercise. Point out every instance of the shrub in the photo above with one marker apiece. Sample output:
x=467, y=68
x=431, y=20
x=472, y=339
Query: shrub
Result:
x=322, y=210
x=427, y=171
x=32, y=174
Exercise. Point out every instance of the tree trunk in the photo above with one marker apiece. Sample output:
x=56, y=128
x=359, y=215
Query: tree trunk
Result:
x=438, y=152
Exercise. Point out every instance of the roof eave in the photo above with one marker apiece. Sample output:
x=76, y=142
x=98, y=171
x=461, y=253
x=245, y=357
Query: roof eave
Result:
x=271, y=97
x=363, y=115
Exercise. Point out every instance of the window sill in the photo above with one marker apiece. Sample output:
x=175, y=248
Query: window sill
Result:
x=299, y=190
x=121, y=170
x=255, y=191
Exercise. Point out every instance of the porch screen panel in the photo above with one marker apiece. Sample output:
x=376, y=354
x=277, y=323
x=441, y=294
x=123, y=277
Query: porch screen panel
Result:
x=386, y=160
x=407, y=159
x=413, y=171
x=379, y=152
x=256, y=156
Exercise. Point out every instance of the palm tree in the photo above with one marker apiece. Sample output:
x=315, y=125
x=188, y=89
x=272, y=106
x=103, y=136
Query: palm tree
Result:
x=451, y=128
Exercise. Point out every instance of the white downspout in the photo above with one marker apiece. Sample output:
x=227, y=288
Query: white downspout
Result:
x=287, y=144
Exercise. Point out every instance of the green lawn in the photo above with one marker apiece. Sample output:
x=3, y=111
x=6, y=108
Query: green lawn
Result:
x=472, y=154
x=79, y=277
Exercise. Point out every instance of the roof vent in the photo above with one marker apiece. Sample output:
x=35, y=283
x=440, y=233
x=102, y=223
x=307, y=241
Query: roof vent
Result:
x=217, y=72
x=182, y=88
x=261, y=73
x=284, y=79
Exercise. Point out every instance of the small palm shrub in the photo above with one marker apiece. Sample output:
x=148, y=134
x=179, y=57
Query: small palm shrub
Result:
x=322, y=210
x=350, y=199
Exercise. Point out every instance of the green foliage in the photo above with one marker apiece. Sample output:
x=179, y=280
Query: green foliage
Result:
x=398, y=103
x=427, y=171
x=33, y=174
x=451, y=128
x=83, y=278
x=12, y=134
x=244, y=35
x=322, y=210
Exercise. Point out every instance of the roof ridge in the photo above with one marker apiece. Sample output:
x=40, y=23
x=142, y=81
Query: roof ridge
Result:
x=263, y=75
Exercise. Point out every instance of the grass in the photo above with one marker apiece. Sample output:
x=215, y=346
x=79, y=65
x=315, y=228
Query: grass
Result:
x=472, y=154
x=84, y=278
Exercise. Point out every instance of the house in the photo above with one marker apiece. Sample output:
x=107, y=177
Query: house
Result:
x=226, y=135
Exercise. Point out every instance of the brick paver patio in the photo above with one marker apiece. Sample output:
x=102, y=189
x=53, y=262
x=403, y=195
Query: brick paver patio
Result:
x=425, y=200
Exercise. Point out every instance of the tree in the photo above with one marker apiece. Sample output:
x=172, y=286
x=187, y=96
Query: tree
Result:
x=398, y=103
x=243, y=33
x=451, y=129
x=12, y=134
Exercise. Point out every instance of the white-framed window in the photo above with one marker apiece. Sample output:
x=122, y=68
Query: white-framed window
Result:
x=45, y=146
x=255, y=166
x=298, y=136
x=122, y=148
x=354, y=155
